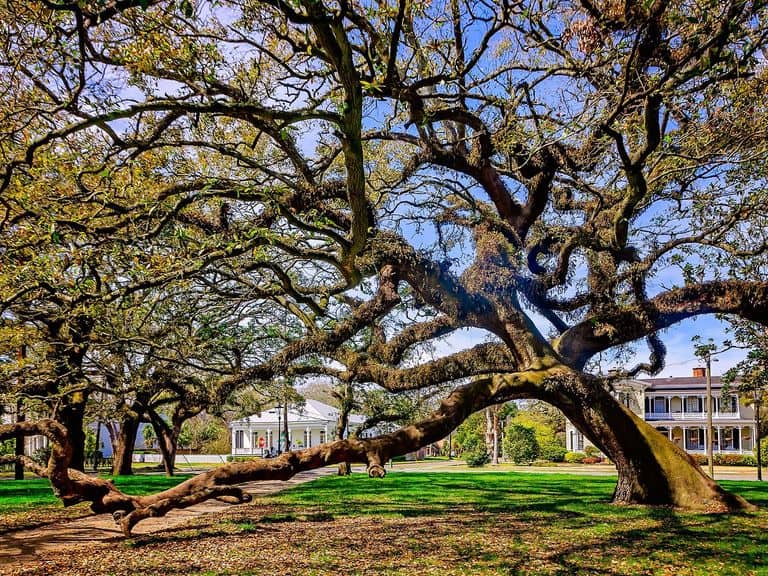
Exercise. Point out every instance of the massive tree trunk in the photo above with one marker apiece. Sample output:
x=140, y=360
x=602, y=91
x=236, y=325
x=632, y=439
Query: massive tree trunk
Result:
x=652, y=470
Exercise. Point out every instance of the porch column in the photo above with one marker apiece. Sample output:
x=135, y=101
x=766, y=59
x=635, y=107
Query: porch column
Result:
x=685, y=438
x=309, y=437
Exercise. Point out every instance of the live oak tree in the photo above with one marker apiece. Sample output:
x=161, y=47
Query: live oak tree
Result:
x=533, y=170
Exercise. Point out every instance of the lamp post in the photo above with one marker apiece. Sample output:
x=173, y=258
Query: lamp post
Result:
x=285, y=424
x=757, y=401
x=710, y=458
x=279, y=430
x=706, y=352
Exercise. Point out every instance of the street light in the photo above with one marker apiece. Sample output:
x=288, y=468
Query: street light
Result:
x=706, y=351
x=710, y=430
x=757, y=393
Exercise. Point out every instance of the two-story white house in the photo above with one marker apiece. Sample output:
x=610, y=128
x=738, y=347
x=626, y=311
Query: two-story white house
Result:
x=676, y=407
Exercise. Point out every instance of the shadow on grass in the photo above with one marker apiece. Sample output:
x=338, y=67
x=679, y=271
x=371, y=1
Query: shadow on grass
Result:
x=588, y=533
x=494, y=523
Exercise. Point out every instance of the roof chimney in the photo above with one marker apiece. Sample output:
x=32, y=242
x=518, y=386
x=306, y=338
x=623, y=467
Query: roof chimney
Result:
x=699, y=372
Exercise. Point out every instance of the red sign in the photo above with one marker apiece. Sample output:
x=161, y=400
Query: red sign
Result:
x=261, y=442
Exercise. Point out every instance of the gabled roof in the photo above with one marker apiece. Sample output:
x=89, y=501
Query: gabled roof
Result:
x=312, y=412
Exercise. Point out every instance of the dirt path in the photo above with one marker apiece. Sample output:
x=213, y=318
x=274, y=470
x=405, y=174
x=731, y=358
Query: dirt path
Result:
x=23, y=547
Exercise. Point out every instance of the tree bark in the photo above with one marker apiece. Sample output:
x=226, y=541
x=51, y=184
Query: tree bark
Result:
x=18, y=467
x=652, y=470
x=123, y=442
x=72, y=416
x=167, y=439
x=342, y=422
x=492, y=433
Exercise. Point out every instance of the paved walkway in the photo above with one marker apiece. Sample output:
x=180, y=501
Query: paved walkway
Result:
x=23, y=547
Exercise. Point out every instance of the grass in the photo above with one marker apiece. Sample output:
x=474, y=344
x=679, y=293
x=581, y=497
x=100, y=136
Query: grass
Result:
x=31, y=503
x=446, y=524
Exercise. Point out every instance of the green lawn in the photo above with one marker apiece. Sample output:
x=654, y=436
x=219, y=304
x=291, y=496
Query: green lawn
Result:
x=31, y=503
x=21, y=495
x=561, y=523
x=446, y=524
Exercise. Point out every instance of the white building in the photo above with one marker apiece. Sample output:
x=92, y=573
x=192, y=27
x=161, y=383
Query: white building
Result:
x=676, y=407
x=31, y=443
x=308, y=425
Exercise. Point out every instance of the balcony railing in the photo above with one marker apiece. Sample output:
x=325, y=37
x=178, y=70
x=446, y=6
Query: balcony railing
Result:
x=688, y=415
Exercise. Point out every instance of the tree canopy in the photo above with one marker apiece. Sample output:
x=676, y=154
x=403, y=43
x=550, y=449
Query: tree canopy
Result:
x=362, y=179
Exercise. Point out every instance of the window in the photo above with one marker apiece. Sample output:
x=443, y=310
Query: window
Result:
x=693, y=404
x=659, y=404
x=694, y=439
x=730, y=438
x=577, y=441
x=239, y=438
x=322, y=436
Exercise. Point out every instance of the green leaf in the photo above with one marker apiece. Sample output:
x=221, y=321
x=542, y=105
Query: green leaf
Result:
x=187, y=8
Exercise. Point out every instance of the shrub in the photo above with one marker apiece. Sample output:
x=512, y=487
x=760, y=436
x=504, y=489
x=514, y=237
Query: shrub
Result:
x=731, y=460
x=7, y=447
x=763, y=452
x=475, y=453
x=748, y=460
x=551, y=445
x=476, y=457
x=591, y=451
x=42, y=455
x=553, y=451
x=520, y=445
x=591, y=460
x=575, y=457
x=701, y=459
